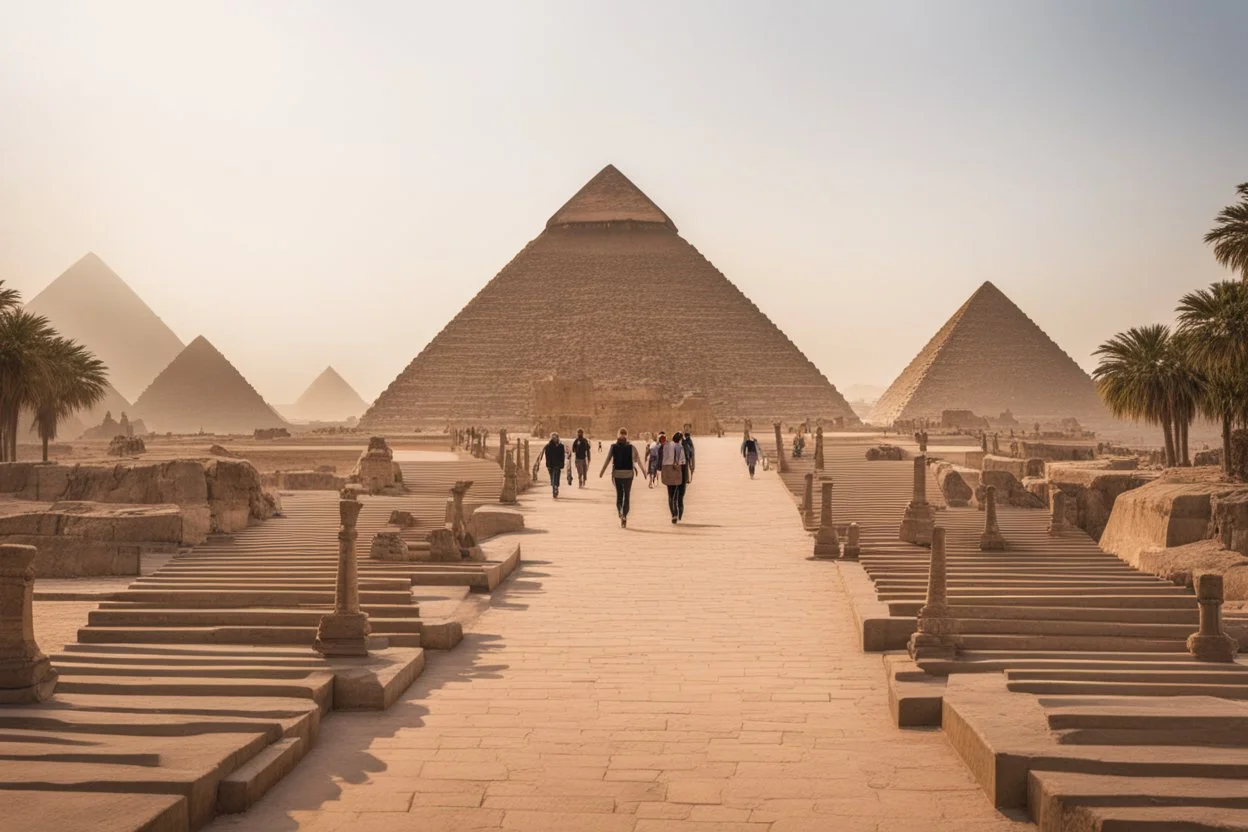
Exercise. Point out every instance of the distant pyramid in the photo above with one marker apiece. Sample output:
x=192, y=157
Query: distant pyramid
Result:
x=201, y=389
x=94, y=306
x=989, y=358
x=328, y=399
x=609, y=292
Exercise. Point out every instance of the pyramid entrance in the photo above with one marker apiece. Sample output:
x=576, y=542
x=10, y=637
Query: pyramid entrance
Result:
x=565, y=405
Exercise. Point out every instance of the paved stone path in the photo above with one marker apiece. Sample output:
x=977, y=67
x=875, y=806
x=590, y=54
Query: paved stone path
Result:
x=650, y=679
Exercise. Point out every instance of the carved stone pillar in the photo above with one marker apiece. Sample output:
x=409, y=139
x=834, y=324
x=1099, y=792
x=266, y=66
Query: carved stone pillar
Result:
x=508, y=494
x=827, y=543
x=852, y=547
x=1210, y=643
x=781, y=462
x=918, y=521
x=819, y=449
x=936, y=637
x=344, y=632
x=1057, y=512
x=502, y=446
x=808, y=501
x=26, y=675
x=991, y=540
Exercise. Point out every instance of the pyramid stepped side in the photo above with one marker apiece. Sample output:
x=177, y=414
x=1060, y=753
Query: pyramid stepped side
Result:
x=90, y=303
x=200, y=389
x=624, y=306
x=990, y=357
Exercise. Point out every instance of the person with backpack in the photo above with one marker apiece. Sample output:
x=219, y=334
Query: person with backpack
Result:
x=687, y=443
x=749, y=450
x=653, y=454
x=673, y=471
x=580, y=454
x=556, y=457
x=623, y=459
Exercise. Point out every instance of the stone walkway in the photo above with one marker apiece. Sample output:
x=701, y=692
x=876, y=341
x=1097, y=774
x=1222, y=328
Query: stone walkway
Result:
x=650, y=679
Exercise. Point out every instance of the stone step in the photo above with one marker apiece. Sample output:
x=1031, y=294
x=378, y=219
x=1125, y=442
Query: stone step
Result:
x=249, y=617
x=1161, y=662
x=1163, y=591
x=92, y=811
x=1062, y=801
x=219, y=671
x=316, y=687
x=239, y=790
x=1151, y=688
x=374, y=610
x=248, y=598
x=260, y=636
x=201, y=585
x=1042, y=605
x=1051, y=627
x=1072, y=642
x=1205, y=674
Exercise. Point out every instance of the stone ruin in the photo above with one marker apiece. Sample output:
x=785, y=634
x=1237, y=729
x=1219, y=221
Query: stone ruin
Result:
x=376, y=469
x=271, y=433
x=888, y=452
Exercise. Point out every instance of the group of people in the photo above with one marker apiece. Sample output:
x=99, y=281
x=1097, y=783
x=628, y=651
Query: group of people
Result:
x=670, y=461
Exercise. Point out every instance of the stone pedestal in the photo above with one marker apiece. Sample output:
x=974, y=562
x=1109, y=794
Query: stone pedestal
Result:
x=936, y=637
x=1210, y=643
x=919, y=520
x=344, y=632
x=808, y=502
x=991, y=540
x=781, y=462
x=827, y=543
x=26, y=675
x=1057, y=512
x=508, y=494
x=852, y=548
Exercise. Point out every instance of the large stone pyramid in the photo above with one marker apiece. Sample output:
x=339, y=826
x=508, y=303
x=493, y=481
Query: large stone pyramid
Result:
x=94, y=306
x=328, y=399
x=989, y=358
x=201, y=390
x=609, y=292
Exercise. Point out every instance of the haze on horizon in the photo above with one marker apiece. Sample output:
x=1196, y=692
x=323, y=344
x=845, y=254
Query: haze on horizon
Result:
x=309, y=183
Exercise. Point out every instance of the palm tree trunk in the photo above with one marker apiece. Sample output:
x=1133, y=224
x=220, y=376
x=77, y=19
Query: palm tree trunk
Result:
x=1184, y=427
x=1167, y=428
x=1226, y=444
x=45, y=449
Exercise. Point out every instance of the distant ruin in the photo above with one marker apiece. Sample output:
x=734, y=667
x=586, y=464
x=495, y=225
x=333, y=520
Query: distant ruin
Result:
x=567, y=405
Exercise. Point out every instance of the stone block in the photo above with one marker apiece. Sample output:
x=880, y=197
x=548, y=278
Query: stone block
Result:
x=957, y=483
x=490, y=520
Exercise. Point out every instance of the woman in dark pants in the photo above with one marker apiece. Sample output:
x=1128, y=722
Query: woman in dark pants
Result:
x=623, y=459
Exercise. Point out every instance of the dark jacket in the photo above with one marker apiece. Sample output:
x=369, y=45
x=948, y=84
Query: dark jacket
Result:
x=580, y=448
x=556, y=455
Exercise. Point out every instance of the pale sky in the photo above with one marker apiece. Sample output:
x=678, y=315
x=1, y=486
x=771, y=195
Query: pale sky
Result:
x=312, y=183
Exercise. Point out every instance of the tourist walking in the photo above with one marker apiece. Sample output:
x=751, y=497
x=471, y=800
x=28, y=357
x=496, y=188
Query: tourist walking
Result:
x=672, y=471
x=687, y=444
x=653, y=455
x=749, y=450
x=556, y=457
x=580, y=455
x=623, y=459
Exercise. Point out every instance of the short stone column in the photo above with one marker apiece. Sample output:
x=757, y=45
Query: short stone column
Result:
x=1210, y=643
x=827, y=543
x=344, y=632
x=991, y=540
x=1057, y=512
x=918, y=521
x=808, y=501
x=26, y=674
x=853, y=546
x=936, y=637
x=818, y=448
x=459, y=523
x=527, y=467
x=996, y=444
x=781, y=462
x=502, y=447
x=508, y=494
x=983, y=441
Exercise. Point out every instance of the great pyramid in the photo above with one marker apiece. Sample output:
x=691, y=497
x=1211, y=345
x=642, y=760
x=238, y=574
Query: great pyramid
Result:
x=200, y=389
x=989, y=358
x=328, y=399
x=609, y=291
x=94, y=306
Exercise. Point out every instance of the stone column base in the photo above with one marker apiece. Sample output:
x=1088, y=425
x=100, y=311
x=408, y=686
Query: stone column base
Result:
x=342, y=634
x=851, y=552
x=917, y=525
x=1221, y=648
x=991, y=542
x=26, y=681
x=925, y=646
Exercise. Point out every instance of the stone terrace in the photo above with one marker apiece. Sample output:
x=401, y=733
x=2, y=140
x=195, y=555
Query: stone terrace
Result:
x=655, y=679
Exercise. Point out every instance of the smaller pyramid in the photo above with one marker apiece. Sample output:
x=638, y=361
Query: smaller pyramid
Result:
x=201, y=390
x=90, y=303
x=989, y=358
x=328, y=399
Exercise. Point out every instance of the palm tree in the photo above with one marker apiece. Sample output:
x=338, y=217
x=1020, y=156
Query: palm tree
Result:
x=24, y=370
x=76, y=379
x=1136, y=379
x=1186, y=384
x=1214, y=323
x=1229, y=237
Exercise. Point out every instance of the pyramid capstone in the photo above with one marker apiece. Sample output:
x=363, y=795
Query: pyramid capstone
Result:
x=609, y=292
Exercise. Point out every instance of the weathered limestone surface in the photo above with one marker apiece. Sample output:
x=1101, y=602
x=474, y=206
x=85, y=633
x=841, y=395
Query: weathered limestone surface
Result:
x=214, y=495
x=957, y=483
x=488, y=521
x=376, y=469
x=26, y=675
x=1010, y=490
x=1092, y=491
x=77, y=539
x=1161, y=515
x=308, y=480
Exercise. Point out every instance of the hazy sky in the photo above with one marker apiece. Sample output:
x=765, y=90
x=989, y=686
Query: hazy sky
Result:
x=312, y=183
